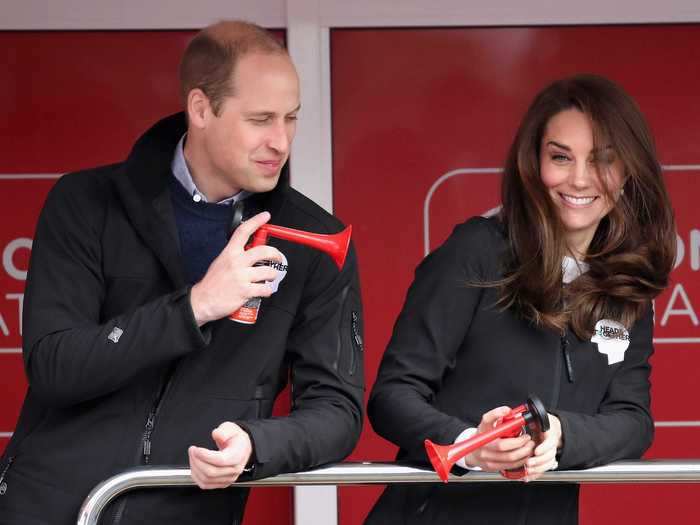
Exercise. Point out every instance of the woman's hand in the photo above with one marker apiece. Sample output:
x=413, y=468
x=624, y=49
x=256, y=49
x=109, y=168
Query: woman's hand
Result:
x=544, y=457
x=502, y=453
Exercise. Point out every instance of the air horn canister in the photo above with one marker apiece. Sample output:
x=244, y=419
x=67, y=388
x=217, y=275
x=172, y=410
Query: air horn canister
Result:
x=531, y=418
x=335, y=245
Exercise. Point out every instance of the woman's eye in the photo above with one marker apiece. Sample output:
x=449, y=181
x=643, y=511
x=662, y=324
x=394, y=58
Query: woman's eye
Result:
x=558, y=157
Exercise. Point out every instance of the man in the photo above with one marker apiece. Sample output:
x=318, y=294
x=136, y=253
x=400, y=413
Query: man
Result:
x=130, y=356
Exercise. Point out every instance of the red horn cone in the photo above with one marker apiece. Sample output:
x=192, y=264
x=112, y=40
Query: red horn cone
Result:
x=532, y=417
x=335, y=245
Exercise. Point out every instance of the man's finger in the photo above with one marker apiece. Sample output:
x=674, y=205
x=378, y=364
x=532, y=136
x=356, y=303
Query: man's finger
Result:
x=217, y=458
x=246, y=229
x=263, y=253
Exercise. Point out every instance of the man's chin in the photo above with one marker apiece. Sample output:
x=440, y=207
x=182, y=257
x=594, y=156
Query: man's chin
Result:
x=263, y=184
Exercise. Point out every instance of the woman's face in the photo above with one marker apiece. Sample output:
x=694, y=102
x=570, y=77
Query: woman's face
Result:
x=575, y=176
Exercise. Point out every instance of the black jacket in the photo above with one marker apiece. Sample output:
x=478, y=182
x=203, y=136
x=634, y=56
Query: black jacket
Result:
x=455, y=355
x=106, y=256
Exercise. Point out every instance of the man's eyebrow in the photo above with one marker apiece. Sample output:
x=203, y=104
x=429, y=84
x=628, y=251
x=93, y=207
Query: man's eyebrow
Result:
x=258, y=113
x=265, y=113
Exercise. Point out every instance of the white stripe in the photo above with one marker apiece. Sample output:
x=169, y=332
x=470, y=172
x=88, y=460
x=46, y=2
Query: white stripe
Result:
x=29, y=176
x=676, y=424
x=676, y=340
x=10, y=350
x=5, y=434
x=681, y=167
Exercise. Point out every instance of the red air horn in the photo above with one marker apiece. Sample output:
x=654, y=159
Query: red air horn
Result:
x=531, y=418
x=335, y=245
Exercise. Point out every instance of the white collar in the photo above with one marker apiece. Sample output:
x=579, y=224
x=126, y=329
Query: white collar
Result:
x=571, y=268
x=184, y=177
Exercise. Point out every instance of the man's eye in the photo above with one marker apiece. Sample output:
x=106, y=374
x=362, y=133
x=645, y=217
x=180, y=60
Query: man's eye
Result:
x=260, y=120
x=291, y=118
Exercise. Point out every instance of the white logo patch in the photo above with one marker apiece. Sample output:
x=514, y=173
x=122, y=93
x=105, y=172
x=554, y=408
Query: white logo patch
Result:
x=115, y=334
x=281, y=272
x=612, y=339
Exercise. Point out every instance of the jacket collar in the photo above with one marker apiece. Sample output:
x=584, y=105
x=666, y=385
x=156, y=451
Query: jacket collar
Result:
x=145, y=193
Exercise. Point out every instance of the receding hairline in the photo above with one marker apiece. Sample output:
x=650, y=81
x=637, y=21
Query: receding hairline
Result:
x=211, y=58
x=247, y=37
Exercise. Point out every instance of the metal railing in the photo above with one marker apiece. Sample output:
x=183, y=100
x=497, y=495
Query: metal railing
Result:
x=645, y=471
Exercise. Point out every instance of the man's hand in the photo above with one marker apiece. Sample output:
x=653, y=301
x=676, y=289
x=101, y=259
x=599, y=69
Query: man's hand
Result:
x=502, y=453
x=233, y=278
x=544, y=457
x=217, y=469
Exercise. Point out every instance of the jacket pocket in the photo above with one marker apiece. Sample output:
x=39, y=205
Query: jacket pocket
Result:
x=351, y=344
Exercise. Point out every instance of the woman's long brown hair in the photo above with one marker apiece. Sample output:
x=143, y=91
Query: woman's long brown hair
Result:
x=633, y=249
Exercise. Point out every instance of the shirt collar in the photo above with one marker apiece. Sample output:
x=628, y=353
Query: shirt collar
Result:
x=184, y=177
x=572, y=268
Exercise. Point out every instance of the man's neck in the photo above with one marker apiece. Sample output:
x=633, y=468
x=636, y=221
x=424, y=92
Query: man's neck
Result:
x=201, y=172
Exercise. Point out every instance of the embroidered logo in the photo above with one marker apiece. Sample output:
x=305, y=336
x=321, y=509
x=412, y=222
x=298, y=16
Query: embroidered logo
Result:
x=612, y=339
x=115, y=334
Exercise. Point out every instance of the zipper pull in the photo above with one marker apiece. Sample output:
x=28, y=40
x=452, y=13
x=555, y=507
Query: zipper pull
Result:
x=3, y=483
x=150, y=424
x=146, y=449
x=356, y=331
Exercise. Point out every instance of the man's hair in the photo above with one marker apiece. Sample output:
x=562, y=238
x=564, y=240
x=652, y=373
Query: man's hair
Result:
x=210, y=58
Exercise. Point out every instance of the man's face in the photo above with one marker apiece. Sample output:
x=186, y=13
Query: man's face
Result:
x=246, y=145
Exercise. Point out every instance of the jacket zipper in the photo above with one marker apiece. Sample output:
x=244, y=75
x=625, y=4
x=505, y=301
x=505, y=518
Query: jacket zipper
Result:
x=144, y=452
x=557, y=377
x=3, y=483
x=357, y=342
x=567, y=358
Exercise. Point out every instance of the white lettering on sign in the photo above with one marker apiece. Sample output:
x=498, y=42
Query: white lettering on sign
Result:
x=679, y=295
x=9, y=252
x=693, y=249
x=19, y=297
x=3, y=326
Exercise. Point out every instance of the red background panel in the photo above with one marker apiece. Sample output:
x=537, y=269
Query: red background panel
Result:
x=12, y=389
x=411, y=105
x=73, y=100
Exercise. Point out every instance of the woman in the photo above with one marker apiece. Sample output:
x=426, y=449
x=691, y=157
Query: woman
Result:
x=552, y=297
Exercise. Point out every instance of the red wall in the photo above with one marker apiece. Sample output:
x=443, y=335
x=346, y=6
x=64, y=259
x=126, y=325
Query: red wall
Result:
x=412, y=105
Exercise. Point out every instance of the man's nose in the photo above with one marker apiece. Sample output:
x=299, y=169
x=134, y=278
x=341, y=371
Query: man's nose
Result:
x=278, y=138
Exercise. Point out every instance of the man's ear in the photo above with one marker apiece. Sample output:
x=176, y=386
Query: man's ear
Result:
x=198, y=108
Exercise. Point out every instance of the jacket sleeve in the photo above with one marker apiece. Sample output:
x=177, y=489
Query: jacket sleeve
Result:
x=71, y=355
x=427, y=335
x=623, y=427
x=325, y=351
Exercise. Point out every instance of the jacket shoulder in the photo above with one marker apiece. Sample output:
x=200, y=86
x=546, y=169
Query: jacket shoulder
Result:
x=80, y=197
x=477, y=245
x=308, y=215
x=85, y=183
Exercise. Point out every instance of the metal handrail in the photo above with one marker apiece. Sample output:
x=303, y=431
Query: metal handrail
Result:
x=644, y=471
